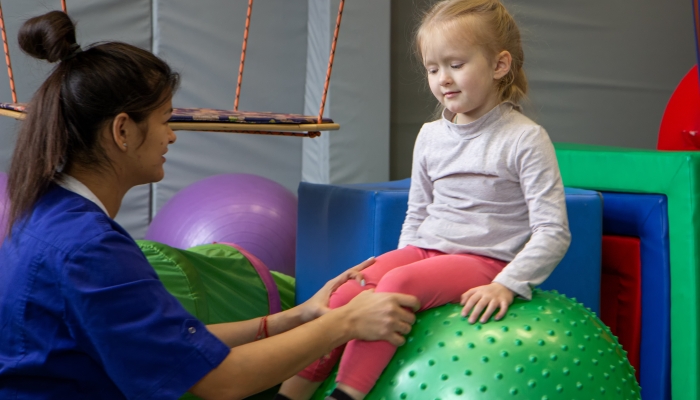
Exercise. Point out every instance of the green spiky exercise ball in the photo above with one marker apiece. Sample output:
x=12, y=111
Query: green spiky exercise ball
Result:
x=548, y=348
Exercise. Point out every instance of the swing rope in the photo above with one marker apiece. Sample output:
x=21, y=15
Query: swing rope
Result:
x=243, y=50
x=330, y=60
x=7, y=56
x=6, y=48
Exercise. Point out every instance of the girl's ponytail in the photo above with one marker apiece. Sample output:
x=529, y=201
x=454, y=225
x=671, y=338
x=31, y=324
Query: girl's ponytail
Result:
x=513, y=86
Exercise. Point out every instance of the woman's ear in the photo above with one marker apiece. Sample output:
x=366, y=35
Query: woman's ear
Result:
x=502, y=67
x=119, y=131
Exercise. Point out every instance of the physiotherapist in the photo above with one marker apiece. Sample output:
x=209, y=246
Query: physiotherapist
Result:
x=82, y=313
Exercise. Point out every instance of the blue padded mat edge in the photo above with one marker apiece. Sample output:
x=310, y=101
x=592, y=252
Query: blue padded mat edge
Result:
x=646, y=216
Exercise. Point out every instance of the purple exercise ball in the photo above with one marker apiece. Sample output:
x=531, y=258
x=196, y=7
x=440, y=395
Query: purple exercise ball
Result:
x=256, y=213
x=4, y=205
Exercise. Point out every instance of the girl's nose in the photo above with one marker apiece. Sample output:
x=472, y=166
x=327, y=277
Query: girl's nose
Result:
x=445, y=78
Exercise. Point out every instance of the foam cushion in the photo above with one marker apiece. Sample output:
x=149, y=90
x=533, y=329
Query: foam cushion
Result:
x=674, y=174
x=341, y=225
x=621, y=292
x=578, y=273
x=646, y=216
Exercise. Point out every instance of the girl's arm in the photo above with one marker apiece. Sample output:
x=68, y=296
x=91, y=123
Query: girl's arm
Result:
x=253, y=367
x=420, y=194
x=541, y=183
x=540, y=180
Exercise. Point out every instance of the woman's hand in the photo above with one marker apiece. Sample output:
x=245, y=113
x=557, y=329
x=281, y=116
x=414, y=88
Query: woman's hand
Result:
x=486, y=299
x=381, y=316
x=317, y=305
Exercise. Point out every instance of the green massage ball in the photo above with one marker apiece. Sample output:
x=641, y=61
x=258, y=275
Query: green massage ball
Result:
x=548, y=348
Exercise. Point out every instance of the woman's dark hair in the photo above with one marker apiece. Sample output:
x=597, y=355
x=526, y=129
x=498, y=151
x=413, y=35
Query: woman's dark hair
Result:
x=83, y=93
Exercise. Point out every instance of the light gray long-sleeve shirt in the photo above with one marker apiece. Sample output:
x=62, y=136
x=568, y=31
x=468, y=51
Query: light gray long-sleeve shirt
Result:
x=493, y=188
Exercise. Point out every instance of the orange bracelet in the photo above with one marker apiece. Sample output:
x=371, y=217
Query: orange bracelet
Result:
x=262, y=329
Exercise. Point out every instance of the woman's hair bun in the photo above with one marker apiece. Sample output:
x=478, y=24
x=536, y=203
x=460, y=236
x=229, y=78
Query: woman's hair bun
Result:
x=48, y=37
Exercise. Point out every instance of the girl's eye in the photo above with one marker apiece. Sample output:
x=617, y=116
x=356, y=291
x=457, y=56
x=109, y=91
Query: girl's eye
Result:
x=432, y=70
x=456, y=66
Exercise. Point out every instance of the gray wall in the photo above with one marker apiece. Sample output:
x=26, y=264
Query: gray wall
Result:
x=202, y=41
x=359, y=96
x=600, y=72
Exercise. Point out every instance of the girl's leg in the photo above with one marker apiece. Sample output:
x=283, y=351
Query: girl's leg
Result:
x=435, y=281
x=303, y=385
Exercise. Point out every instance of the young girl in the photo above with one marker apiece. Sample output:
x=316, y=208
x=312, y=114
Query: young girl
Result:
x=486, y=216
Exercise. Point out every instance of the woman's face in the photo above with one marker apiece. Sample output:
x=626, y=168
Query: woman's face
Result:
x=146, y=159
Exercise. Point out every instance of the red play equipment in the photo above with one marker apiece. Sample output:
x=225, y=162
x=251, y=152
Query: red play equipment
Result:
x=680, y=126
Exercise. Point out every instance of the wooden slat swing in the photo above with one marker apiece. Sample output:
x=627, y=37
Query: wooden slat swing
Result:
x=214, y=120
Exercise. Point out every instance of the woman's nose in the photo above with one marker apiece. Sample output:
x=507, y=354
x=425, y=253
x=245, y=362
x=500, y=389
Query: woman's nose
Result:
x=172, y=137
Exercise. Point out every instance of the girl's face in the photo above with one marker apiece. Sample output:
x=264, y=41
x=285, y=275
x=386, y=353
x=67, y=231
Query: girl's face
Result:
x=461, y=75
x=147, y=158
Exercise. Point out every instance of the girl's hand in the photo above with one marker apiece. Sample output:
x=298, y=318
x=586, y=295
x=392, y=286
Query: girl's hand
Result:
x=486, y=298
x=317, y=305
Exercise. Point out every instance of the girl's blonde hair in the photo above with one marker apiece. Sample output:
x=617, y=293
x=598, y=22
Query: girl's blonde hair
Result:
x=486, y=23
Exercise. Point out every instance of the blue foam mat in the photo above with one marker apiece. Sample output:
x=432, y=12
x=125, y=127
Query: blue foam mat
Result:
x=341, y=225
x=646, y=216
x=580, y=269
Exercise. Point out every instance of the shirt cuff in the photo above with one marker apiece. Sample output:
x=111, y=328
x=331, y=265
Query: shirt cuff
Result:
x=207, y=353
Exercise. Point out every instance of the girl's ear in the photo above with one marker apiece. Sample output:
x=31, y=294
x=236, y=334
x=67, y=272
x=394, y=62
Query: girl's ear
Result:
x=502, y=67
x=120, y=125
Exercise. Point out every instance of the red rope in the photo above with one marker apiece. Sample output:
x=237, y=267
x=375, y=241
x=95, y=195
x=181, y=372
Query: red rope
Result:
x=63, y=6
x=243, y=50
x=330, y=61
x=7, y=57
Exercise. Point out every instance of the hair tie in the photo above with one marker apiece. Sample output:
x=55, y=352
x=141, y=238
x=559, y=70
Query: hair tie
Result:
x=76, y=49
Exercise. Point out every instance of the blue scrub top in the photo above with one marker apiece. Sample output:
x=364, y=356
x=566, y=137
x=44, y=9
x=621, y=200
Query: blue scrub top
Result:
x=84, y=316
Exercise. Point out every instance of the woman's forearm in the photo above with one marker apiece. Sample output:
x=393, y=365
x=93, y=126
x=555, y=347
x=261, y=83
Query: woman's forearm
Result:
x=262, y=364
x=255, y=366
x=238, y=333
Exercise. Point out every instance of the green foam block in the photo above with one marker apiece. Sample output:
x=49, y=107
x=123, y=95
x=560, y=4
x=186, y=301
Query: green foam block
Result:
x=548, y=348
x=676, y=175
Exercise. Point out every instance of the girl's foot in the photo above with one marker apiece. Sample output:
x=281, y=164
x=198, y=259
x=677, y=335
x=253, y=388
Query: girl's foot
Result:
x=297, y=388
x=339, y=395
x=345, y=392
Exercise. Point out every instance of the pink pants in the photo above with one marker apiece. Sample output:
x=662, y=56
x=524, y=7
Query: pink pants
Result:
x=435, y=278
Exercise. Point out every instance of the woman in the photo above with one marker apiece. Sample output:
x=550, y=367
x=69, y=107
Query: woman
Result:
x=82, y=313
